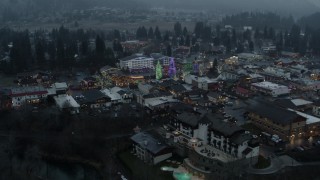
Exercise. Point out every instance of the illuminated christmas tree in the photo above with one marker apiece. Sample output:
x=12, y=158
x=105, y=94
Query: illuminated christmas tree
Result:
x=172, y=68
x=158, y=71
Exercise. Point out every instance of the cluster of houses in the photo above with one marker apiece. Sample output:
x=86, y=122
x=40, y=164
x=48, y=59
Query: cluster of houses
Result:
x=284, y=104
x=67, y=99
x=283, y=93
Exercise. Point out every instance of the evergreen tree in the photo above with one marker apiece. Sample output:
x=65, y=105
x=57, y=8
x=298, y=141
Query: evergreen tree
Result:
x=247, y=35
x=185, y=31
x=110, y=58
x=240, y=48
x=158, y=71
x=218, y=31
x=198, y=29
x=257, y=34
x=251, y=46
x=187, y=41
x=116, y=34
x=206, y=34
x=60, y=52
x=84, y=48
x=166, y=36
x=271, y=33
x=144, y=33
x=40, y=54
x=234, y=37
x=279, y=42
x=150, y=33
x=157, y=33
x=177, y=29
x=265, y=32
x=100, y=46
x=169, y=50
x=295, y=37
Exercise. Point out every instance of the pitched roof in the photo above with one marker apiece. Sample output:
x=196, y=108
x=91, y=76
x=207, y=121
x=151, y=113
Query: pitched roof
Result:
x=225, y=128
x=156, y=94
x=292, y=103
x=178, y=88
x=274, y=113
x=190, y=118
x=239, y=139
x=93, y=95
x=148, y=142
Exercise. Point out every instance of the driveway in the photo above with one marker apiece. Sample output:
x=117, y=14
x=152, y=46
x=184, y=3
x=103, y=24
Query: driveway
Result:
x=277, y=163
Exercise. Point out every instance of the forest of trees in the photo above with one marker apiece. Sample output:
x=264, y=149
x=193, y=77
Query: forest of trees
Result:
x=258, y=20
x=63, y=48
x=59, y=48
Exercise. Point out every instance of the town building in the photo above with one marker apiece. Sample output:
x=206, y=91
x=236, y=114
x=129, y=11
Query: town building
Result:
x=30, y=95
x=164, y=60
x=270, y=88
x=214, y=147
x=316, y=108
x=312, y=124
x=296, y=104
x=204, y=83
x=149, y=149
x=249, y=57
x=118, y=95
x=275, y=120
x=137, y=62
x=66, y=103
x=94, y=99
x=89, y=83
x=147, y=99
x=60, y=87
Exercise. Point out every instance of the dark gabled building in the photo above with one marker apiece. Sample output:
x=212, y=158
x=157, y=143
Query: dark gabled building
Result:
x=89, y=83
x=295, y=104
x=213, y=144
x=150, y=149
x=94, y=99
x=276, y=120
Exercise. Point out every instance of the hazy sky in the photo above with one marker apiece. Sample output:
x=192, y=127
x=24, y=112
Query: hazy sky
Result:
x=293, y=7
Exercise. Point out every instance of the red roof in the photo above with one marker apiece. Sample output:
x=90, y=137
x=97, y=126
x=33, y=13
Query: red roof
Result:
x=242, y=90
x=28, y=93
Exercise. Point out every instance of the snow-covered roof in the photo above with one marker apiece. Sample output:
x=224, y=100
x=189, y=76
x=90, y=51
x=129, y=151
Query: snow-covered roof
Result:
x=52, y=91
x=113, y=95
x=300, y=102
x=66, y=101
x=61, y=85
x=310, y=119
x=161, y=100
x=268, y=85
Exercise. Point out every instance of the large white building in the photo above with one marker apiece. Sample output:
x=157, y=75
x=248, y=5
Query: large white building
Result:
x=215, y=145
x=204, y=83
x=137, y=61
x=28, y=94
x=270, y=88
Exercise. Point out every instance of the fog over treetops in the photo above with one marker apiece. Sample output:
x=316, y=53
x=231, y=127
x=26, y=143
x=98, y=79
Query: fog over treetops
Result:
x=295, y=8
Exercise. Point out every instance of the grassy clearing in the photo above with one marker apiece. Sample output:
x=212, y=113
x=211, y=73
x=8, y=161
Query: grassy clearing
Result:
x=262, y=163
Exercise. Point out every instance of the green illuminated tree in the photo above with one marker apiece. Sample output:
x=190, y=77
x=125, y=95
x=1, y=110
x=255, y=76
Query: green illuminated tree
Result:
x=158, y=71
